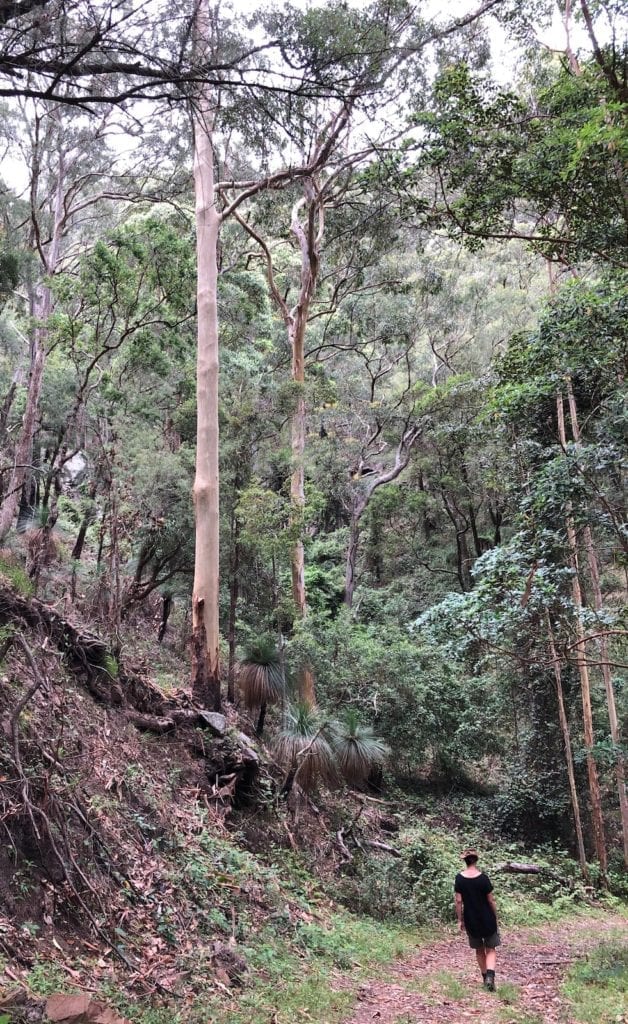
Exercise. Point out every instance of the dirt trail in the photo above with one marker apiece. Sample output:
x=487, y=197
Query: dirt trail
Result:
x=442, y=985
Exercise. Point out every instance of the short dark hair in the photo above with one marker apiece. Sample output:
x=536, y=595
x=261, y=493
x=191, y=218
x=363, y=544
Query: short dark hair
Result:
x=471, y=858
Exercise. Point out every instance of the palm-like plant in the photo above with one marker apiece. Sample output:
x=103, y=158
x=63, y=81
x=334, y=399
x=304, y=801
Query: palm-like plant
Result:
x=356, y=748
x=304, y=748
x=261, y=677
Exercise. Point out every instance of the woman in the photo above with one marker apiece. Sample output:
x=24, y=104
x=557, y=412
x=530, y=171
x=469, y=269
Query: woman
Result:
x=477, y=915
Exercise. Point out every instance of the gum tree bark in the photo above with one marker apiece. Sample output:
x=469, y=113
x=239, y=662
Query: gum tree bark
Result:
x=205, y=626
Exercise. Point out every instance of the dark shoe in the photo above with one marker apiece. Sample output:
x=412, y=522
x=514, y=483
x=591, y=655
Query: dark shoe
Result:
x=489, y=981
x=484, y=977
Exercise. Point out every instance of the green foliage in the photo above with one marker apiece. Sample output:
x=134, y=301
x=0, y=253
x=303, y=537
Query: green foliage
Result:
x=16, y=577
x=597, y=989
x=564, y=161
x=46, y=977
x=110, y=666
x=412, y=696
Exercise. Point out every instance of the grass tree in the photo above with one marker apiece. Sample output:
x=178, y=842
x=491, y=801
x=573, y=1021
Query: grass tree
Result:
x=261, y=678
x=356, y=747
x=304, y=748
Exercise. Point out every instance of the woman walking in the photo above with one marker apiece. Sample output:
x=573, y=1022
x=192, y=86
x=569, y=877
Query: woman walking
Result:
x=477, y=915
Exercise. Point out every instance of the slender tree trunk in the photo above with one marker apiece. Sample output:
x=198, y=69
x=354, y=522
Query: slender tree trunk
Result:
x=463, y=558
x=115, y=603
x=496, y=519
x=41, y=309
x=594, y=572
x=234, y=593
x=166, y=608
x=477, y=543
x=360, y=504
x=375, y=560
x=309, y=235
x=88, y=518
x=583, y=671
x=22, y=459
x=205, y=595
x=564, y=728
x=297, y=480
x=352, y=552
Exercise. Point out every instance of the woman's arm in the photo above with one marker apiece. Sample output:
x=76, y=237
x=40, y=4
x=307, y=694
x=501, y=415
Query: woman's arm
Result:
x=459, y=910
x=492, y=904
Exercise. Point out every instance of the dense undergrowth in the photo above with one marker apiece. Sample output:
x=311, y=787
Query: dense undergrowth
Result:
x=201, y=911
x=130, y=869
x=597, y=988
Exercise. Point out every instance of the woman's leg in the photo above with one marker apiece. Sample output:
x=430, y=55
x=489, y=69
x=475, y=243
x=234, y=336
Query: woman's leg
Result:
x=489, y=980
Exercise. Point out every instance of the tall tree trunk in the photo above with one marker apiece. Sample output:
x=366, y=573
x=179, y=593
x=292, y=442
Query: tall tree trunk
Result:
x=234, y=593
x=564, y=728
x=166, y=608
x=309, y=235
x=463, y=558
x=594, y=572
x=41, y=308
x=205, y=595
x=297, y=480
x=6, y=409
x=22, y=459
x=496, y=519
x=583, y=671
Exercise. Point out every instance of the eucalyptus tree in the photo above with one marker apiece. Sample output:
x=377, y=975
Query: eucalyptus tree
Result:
x=70, y=169
x=205, y=627
x=327, y=154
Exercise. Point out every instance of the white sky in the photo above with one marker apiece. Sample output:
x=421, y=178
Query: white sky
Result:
x=504, y=61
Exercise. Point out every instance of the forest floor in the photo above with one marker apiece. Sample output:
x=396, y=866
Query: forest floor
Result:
x=441, y=984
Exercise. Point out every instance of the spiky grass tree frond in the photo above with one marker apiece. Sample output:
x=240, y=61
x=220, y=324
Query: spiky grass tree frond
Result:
x=260, y=675
x=304, y=748
x=356, y=748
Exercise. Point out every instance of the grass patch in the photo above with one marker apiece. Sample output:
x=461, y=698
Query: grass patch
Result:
x=448, y=985
x=508, y=993
x=16, y=577
x=292, y=975
x=306, y=996
x=597, y=988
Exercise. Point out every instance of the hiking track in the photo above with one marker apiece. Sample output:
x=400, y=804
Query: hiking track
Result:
x=441, y=984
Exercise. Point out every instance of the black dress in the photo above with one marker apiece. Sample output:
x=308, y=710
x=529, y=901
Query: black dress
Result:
x=479, y=918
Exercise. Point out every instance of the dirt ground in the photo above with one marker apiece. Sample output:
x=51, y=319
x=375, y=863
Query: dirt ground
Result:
x=442, y=984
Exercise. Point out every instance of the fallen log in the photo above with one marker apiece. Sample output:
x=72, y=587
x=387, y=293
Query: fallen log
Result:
x=383, y=846
x=512, y=867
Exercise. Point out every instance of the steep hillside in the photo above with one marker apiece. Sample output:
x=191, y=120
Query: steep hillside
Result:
x=151, y=863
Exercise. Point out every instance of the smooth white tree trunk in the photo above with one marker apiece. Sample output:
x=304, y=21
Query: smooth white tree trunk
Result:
x=205, y=596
